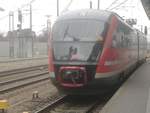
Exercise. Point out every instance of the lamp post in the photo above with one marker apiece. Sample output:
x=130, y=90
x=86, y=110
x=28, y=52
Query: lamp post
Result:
x=90, y=4
x=30, y=16
x=48, y=31
x=11, y=34
x=31, y=25
x=57, y=7
x=98, y=4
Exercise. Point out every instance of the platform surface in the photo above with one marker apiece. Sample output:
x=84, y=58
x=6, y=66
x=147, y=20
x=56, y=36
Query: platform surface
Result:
x=134, y=95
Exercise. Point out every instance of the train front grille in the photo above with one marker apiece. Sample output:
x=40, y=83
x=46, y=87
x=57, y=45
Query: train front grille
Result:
x=72, y=76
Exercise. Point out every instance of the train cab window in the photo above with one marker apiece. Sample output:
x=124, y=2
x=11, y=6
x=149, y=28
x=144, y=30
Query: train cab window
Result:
x=78, y=30
x=78, y=40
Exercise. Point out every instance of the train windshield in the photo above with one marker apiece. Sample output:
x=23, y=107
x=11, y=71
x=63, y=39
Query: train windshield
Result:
x=78, y=40
x=78, y=30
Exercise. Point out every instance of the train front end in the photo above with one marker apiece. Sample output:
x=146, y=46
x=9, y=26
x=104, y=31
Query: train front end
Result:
x=76, y=47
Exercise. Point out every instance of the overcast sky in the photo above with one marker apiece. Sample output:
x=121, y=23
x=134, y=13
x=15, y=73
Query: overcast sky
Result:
x=41, y=8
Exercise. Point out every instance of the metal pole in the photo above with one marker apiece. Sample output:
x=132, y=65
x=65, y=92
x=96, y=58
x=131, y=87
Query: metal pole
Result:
x=20, y=39
x=11, y=38
x=90, y=4
x=12, y=34
x=9, y=35
x=31, y=27
x=12, y=21
x=31, y=17
x=57, y=7
x=48, y=31
x=9, y=21
x=98, y=4
x=141, y=28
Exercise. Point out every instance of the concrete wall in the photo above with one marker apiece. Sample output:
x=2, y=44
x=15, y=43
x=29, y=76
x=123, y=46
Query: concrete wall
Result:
x=4, y=49
x=40, y=48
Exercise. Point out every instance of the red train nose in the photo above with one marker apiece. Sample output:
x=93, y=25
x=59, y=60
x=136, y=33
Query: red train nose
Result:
x=72, y=76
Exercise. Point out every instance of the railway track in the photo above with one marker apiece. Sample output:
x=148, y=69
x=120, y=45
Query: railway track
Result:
x=22, y=70
x=53, y=104
x=10, y=80
x=81, y=104
x=22, y=59
x=75, y=104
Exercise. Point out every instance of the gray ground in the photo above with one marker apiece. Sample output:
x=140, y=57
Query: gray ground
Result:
x=134, y=95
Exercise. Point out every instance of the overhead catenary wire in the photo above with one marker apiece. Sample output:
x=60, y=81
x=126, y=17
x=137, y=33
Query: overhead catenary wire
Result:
x=67, y=6
x=4, y=17
x=27, y=4
x=114, y=2
x=16, y=10
x=32, y=1
x=119, y=5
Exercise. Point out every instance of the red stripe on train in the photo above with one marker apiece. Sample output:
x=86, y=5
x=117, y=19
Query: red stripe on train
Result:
x=107, y=53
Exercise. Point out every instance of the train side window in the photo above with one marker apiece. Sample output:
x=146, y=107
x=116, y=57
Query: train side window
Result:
x=125, y=37
x=114, y=41
x=122, y=41
x=119, y=35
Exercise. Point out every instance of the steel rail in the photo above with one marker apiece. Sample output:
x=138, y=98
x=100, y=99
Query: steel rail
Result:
x=75, y=109
x=22, y=59
x=23, y=83
x=23, y=78
x=53, y=104
x=21, y=70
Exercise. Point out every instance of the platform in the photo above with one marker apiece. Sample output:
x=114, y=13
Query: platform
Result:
x=134, y=95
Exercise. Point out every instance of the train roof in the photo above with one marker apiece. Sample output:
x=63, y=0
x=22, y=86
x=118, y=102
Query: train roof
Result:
x=102, y=15
x=86, y=14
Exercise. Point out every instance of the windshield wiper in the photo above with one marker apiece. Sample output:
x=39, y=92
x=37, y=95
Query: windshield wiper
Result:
x=67, y=35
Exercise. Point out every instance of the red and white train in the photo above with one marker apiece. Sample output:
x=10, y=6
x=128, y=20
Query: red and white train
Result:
x=92, y=49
